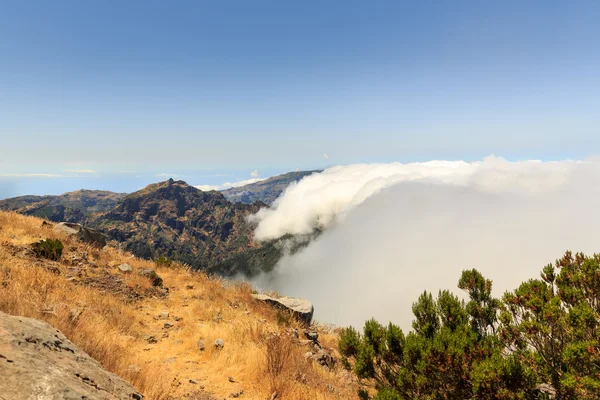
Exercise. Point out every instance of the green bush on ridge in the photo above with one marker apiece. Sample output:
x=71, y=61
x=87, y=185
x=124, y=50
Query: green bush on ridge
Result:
x=539, y=341
x=50, y=248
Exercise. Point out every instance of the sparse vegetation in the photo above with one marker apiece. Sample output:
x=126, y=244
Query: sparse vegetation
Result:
x=163, y=262
x=50, y=248
x=111, y=315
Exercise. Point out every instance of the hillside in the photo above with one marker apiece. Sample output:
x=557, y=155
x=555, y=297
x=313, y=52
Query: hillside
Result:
x=150, y=335
x=265, y=191
x=175, y=220
x=76, y=206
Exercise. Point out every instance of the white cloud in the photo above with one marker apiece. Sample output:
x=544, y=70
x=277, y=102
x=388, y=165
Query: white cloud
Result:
x=394, y=230
x=81, y=171
x=325, y=156
x=19, y=175
x=167, y=175
x=319, y=199
x=228, y=185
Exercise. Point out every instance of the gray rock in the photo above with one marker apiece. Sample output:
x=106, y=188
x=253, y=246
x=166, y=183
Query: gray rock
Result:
x=302, y=309
x=219, y=344
x=163, y=314
x=150, y=339
x=39, y=362
x=168, y=325
x=193, y=381
x=311, y=335
x=86, y=235
x=547, y=389
x=201, y=345
x=125, y=268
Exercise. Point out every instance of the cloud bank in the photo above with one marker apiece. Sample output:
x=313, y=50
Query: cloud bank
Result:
x=394, y=230
x=255, y=177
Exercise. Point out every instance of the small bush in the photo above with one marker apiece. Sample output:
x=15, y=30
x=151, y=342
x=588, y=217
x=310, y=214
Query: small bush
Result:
x=163, y=262
x=50, y=248
x=284, y=318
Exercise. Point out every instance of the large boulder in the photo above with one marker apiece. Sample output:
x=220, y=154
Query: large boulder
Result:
x=301, y=308
x=39, y=362
x=87, y=235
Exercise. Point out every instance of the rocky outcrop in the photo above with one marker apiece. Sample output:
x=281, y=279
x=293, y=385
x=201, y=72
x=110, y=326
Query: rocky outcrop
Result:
x=39, y=362
x=300, y=308
x=86, y=235
x=202, y=229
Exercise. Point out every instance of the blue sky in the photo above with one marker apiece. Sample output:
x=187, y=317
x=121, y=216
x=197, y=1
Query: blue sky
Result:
x=212, y=90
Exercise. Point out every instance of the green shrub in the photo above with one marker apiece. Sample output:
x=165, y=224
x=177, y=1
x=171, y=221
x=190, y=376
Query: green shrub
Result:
x=50, y=248
x=284, y=318
x=163, y=262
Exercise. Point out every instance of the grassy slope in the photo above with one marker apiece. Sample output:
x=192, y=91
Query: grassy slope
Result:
x=108, y=314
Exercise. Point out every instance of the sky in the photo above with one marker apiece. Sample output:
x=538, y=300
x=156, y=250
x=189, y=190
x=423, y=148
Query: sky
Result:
x=116, y=95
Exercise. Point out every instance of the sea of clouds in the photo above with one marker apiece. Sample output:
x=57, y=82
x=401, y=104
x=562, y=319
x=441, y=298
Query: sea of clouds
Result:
x=393, y=230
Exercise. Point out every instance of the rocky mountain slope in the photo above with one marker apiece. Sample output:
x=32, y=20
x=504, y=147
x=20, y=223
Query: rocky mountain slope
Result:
x=76, y=206
x=203, y=229
x=192, y=337
x=175, y=220
x=265, y=191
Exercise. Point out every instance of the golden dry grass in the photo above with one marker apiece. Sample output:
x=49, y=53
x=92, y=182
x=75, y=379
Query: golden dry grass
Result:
x=94, y=306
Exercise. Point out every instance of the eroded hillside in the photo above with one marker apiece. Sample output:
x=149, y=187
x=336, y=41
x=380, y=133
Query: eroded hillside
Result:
x=152, y=335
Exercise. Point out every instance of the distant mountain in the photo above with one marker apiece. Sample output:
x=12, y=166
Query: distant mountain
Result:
x=265, y=191
x=76, y=206
x=181, y=222
x=207, y=230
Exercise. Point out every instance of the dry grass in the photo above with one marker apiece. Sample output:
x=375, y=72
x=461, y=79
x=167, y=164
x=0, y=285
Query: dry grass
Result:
x=93, y=305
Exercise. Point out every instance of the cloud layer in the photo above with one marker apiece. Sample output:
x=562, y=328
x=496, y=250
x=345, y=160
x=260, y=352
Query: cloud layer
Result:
x=395, y=230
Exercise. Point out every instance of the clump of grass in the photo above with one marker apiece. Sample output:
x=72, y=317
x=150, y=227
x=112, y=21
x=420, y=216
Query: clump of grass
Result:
x=50, y=248
x=163, y=262
x=284, y=318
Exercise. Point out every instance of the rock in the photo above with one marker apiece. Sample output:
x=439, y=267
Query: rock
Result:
x=176, y=318
x=219, y=344
x=125, y=268
x=152, y=275
x=168, y=325
x=324, y=359
x=150, y=339
x=302, y=309
x=86, y=235
x=237, y=394
x=163, y=314
x=548, y=389
x=193, y=381
x=189, y=286
x=201, y=345
x=133, y=368
x=311, y=335
x=39, y=362
x=230, y=379
x=273, y=396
